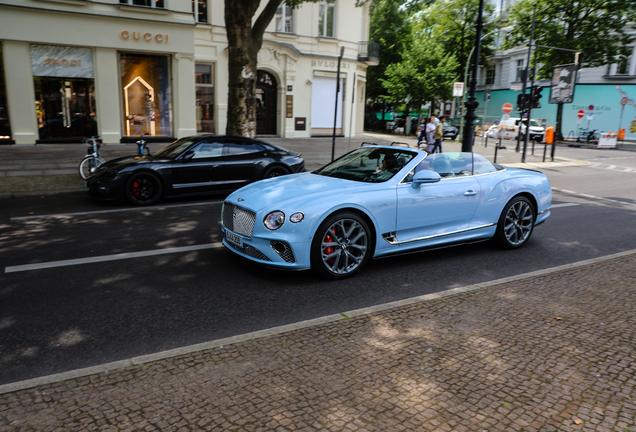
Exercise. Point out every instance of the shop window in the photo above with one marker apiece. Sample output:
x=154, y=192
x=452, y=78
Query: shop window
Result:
x=146, y=94
x=147, y=3
x=284, y=19
x=5, y=128
x=200, y=10
x=64, y=92
x=204, y=79
x=326, y=11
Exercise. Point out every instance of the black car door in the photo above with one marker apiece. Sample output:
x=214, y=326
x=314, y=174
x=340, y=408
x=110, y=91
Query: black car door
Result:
x=200, y=169
x=244, y=162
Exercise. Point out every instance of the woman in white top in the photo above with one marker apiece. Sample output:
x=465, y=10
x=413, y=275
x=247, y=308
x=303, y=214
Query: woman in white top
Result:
x=430, y=132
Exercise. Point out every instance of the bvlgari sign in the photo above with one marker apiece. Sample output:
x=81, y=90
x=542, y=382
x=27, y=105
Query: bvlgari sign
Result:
x=61, y=61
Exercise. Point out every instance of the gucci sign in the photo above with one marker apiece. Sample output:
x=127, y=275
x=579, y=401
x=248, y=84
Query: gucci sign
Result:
x=147, y=37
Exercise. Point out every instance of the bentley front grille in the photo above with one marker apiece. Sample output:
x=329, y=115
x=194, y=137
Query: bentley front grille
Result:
x=250, y=251
x=238, y=219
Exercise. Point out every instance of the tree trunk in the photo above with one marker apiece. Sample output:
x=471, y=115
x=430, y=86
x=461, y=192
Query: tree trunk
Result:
x=241, y=116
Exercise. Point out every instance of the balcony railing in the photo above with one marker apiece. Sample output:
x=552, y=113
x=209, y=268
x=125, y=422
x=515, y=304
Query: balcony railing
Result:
x=368, y=52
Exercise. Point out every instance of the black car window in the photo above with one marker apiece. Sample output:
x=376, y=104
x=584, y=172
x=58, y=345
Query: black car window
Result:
x=174, y=149
x=241, y=148
x=208, y=150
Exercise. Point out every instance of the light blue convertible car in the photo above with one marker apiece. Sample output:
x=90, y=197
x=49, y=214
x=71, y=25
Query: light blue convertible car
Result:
x=377, y=201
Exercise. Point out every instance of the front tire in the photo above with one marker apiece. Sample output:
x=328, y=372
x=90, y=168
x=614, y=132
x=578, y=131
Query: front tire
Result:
x=275, y=171
x=516, y=223
x=341, y=246
x=89, y=165
x=143, y=189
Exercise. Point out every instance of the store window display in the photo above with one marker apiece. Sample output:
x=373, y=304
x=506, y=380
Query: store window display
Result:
x=146, y=95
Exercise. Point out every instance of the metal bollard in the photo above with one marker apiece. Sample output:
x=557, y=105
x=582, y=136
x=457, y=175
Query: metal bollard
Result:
x=496, y=148
x=486, y=142
x=545, y=149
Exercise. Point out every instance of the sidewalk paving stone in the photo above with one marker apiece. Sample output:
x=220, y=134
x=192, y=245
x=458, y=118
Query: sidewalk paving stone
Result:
x=553, y=352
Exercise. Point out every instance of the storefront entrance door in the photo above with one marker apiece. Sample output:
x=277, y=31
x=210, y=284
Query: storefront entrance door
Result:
x=266, y=93
x=65, y=108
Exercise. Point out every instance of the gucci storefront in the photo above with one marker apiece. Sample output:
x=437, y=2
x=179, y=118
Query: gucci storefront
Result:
x=122, y=79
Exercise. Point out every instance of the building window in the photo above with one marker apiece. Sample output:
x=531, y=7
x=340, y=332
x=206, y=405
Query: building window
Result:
x=200, y=10
x=204, y=79
x=490, y=75
x=284, y=19
x=622, y=67
x=521, y=71
x=146, y=94
x=148, y=3
x=325, y=18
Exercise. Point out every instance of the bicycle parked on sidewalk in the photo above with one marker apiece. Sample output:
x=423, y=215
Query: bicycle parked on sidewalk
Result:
x=92, y=160
x=142, y=150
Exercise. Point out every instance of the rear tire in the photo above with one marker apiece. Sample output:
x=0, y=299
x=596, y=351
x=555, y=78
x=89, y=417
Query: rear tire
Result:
x=89, y=165
x=516, y=223
x=143, y=189
x=341, y=246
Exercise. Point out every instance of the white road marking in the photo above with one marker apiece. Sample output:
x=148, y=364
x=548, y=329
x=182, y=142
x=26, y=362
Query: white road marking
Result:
x=103, y=258
x=96, y=212
x=593, y=197
x=611, y=167
x=564, y=205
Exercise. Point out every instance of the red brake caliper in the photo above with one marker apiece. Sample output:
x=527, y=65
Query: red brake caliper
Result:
x=329, y=249
x=136, y=188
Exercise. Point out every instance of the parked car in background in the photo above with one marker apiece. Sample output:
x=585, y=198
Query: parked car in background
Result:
x=195, y=165
x=513, y=127
x=450, y=131
x=377, y=201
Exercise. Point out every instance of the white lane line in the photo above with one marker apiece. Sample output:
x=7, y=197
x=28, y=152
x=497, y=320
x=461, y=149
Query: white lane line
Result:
x=119, y=256
x=96, y=212
x=611, y=167
x=593, y=197
x=564, y=205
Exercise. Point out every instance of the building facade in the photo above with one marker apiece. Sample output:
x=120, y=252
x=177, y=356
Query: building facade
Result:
x=70, y=69
x=606, y=94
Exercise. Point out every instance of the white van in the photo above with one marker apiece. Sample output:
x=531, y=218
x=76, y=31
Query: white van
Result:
x=509, y=129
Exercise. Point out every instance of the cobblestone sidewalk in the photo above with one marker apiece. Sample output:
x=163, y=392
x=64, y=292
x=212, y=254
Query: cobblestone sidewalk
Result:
x=555, y=352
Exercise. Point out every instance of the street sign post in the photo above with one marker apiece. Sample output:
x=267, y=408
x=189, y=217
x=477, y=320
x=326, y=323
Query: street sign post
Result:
x=458, y=89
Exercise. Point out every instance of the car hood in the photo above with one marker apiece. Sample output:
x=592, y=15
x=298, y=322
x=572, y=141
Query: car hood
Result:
x=302, y=187
x=127, y=161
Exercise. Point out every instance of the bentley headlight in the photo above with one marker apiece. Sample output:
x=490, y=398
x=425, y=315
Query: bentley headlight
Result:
x=274, y=220
x=296, y=217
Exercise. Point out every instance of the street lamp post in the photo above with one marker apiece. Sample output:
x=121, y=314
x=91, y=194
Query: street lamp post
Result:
x=335, y=114
x=472, y=104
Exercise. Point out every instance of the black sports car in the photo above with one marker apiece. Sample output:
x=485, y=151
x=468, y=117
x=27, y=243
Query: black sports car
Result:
x=191, y=166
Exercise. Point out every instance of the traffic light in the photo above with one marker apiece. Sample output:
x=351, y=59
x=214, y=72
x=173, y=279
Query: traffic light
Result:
x=522, y=101
x=536, y=95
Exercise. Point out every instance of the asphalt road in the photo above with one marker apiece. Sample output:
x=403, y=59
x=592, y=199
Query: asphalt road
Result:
x=83, y=314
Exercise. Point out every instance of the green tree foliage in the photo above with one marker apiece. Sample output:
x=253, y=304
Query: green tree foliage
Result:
x=595, y=27
x=426, y=74
x=451, y=25
x=390, y=28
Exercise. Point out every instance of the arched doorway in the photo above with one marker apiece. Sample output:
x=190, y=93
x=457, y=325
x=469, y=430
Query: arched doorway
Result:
x=266, y=96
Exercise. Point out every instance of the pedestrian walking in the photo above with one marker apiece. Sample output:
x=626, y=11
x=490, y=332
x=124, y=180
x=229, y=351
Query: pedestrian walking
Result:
x=430, y=133
x=421, y=132
x=439, y=135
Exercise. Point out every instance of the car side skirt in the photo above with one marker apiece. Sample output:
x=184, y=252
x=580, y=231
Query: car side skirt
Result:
x=391, y=239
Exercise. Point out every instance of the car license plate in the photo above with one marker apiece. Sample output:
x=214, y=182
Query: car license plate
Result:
x=231, y=237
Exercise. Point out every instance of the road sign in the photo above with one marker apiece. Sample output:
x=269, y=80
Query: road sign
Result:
x=624, y=101
x=458, y=89
x=580, y=114
x=590, y=116
x=590, y=108
x=506, y=108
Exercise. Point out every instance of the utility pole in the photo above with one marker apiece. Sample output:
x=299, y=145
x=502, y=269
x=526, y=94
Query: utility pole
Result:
x=335, y=114
x=471, y=104
x=524, y=85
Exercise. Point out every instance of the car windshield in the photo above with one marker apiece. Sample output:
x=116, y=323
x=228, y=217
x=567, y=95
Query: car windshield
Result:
x=174, y=149
x=368, y=164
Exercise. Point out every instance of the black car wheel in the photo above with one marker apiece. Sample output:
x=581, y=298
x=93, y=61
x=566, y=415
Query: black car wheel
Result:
x=143, y=189
x=515, y=223
x=341, y=246
x=275, y=171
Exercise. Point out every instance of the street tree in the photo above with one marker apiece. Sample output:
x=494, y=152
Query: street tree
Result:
x=390, y=28
x=596, y=28
x=426, y=74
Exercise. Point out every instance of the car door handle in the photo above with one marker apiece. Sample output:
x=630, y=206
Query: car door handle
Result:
x=470, y=193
